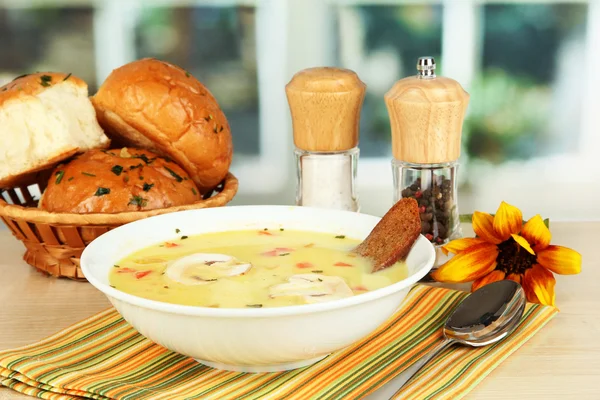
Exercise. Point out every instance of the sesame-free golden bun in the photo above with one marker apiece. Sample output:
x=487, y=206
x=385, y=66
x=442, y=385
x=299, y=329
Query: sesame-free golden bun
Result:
x=159, y=106
x=46, y=118
x=117, y=180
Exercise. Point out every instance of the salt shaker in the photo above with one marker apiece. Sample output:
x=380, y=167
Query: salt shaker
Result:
x=325, y=104
x=426, y=116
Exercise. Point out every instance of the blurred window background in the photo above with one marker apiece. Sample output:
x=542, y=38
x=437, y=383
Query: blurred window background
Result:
x=533, y=124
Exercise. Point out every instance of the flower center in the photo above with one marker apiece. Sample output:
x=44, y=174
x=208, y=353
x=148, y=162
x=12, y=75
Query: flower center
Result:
x=513, y=259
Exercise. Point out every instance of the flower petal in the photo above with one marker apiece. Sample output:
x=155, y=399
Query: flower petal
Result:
x=458, y=245
x=508, y=220
x=515, y=277
x=541, y=282
x=523, y=243
x=560, y=260
x=493, y=276
x=536, y=233
x=483, y=225
x=469, y=265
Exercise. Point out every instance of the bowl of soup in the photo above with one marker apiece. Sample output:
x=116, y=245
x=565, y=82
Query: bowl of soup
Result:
x=251, y=288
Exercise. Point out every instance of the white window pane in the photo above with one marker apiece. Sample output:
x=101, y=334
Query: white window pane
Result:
x=526, y=100
x=216, y=45
x=42, y=39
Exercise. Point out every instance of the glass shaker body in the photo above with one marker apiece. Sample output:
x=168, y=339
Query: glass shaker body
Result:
x=434, y=187
x=327, y=179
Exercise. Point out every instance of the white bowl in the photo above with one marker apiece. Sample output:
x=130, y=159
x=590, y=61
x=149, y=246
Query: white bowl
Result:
x=251, y=340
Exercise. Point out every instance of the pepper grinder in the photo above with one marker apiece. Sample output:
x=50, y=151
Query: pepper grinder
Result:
x=426, y=116
x=325, y=104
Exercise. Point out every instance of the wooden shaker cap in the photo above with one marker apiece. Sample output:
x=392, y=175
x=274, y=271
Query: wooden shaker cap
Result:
x=325, y=104
x=426, y=117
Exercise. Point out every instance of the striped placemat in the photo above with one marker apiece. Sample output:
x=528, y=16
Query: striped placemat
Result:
x=103, y=357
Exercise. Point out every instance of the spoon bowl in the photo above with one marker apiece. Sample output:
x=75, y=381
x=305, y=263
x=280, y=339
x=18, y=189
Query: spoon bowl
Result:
x=486, y=316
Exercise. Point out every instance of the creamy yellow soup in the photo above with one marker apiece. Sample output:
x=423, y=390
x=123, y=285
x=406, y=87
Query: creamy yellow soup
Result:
x=268, y=268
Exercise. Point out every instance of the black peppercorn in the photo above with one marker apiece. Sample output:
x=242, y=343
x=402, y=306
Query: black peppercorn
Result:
x=436, y=207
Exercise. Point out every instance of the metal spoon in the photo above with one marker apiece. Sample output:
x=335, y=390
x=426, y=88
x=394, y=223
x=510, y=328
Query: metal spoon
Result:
x=486, y=316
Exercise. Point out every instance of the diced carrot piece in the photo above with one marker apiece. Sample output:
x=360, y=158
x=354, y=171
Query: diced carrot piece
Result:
x=266, y=233
x=171, y=244
x=141, y=274
x=284, y=249
x=272, y=253
x=360, y=288
x=304, y=265
x=342, y=264
x=125, y=270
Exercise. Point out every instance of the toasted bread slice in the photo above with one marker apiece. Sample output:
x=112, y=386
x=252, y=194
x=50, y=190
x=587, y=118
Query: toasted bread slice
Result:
x=392, y=238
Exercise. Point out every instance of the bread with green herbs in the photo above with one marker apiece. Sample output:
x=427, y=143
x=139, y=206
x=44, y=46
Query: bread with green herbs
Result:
x=118, y=180
x=45, y=117
x=161, y=107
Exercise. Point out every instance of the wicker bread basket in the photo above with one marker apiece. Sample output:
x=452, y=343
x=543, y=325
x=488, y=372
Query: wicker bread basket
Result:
x=55, y=241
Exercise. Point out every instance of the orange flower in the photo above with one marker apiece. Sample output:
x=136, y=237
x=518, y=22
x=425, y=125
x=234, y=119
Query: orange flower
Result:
x=505, y=248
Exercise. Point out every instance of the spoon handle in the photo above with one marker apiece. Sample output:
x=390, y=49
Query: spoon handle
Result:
x=392, y=387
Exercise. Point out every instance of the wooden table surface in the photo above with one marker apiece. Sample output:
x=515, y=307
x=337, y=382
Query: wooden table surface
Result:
x=561, y=362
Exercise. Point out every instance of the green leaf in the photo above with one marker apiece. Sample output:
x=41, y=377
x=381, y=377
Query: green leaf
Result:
x=466, y=218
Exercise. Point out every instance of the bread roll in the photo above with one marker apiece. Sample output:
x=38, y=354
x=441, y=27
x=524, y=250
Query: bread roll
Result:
x=45, y=118
x=158, y=106
x=112, y=181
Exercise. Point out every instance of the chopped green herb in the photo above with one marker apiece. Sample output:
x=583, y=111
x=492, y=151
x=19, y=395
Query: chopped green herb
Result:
x=221, y=129
x=70, y=179
x=177, y=230
x=284, y=254
x=174, y=174
x=210, y=116
x=340, y=237
x=4, y=89
x=59, y=176
x=320, y=280
x=136, y=166
x=20, y=76
x=168, y=159
x=126, y=178
x=254, y=305
x=148, y=187
x=187, y=74
x=19, y=88
x=144, y=158
x=102, y=191
x=116, y=266
x=87, y=174
x=117, y=169
x=184, y=237
x=166, y=286
x=215, y=129
x=141, y=178
x=45, y=80
x=317, y=271
x=113, y=286
x=194, y=191
x=281, y=229
x=67, y=77
x=138, y=201
x=206, y=119
x=266, y=229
